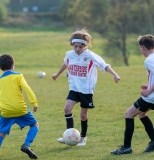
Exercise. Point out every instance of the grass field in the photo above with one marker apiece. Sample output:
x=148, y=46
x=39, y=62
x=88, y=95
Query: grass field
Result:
x=35, y=51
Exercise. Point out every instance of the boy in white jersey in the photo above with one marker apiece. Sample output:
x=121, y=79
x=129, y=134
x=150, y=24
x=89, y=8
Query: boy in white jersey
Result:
x=82, y=77
x=144, y=103
x=13, y=108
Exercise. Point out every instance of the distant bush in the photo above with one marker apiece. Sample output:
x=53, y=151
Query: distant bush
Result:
x=32, y=19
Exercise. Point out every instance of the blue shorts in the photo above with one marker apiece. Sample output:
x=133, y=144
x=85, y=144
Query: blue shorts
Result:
x=25, y=120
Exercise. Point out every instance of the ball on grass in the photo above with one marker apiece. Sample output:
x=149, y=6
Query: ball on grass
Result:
x=71, y=136
x=41, y=74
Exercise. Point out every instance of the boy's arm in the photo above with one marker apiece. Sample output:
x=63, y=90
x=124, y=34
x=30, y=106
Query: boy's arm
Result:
x=63, y=67
x=30, y=94
x=146, y=92
x=110, y=70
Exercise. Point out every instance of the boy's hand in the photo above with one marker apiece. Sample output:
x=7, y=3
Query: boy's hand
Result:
x=144, y=86
x=116, y=78
x=54, y=76
x=145, y=93
x=35, y=108
x=146, y=90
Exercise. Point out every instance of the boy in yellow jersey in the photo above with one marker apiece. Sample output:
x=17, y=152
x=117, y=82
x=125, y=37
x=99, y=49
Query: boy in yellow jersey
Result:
x=13, y=108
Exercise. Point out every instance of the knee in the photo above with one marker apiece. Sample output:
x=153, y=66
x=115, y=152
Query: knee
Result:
x=67, y=110
x=128, y=115
x=36, y=125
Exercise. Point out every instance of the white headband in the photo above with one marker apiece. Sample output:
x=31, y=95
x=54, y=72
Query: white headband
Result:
x=79, y=40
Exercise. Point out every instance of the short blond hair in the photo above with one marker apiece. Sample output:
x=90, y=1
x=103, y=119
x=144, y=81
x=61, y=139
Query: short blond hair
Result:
x=82, y=34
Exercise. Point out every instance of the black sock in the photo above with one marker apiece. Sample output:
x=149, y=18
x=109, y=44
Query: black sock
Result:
x=84, y=126
x=129, y=124
x=148, y=127
x=69, y=121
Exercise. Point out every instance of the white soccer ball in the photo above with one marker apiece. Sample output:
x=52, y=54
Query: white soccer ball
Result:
x=41, y=74
x=71, y=136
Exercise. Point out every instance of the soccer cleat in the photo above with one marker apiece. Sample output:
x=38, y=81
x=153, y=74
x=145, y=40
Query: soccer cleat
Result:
x=82, y=141
x=122, y=150
x=29, y=151
x=150, y=147
x=61, y=140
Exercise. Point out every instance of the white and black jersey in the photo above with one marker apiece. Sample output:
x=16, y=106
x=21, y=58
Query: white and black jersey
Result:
x=82, y=71
x=149, y=64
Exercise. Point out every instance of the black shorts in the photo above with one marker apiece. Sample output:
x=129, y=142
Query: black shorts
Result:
x=143, y=105
x=86, y=100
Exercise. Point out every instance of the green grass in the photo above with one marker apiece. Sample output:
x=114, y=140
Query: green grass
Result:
x=35, y=51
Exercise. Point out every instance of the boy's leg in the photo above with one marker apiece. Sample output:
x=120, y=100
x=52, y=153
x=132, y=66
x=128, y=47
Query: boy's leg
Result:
x=147, y=125
x=84, y=126
x=68, y=115
x=5, y=126
x=84, y=121
x=69, y=121
x=129, y=129
x=86, y=103
x=28, y=120
x=31, y=134
x=29, y=139
x=150, y=131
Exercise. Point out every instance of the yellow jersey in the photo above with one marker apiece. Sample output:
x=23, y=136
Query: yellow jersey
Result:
x=12, y=103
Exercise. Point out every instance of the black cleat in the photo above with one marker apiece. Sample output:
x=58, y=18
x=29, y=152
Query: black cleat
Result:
x=150, y=147
x=122, y=150
x=29, y=151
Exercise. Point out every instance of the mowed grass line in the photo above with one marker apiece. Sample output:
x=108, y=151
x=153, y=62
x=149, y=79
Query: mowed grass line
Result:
x=106, y=120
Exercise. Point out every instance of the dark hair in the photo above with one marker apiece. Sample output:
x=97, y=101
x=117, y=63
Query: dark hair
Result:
x=6, y=62
x=147, y=41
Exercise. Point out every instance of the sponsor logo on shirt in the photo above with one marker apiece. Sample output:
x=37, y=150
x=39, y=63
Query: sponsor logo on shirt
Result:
x=76, y=70
x=85, y=58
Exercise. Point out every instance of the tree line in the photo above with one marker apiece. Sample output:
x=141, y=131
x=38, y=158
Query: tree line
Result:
x=114, y=20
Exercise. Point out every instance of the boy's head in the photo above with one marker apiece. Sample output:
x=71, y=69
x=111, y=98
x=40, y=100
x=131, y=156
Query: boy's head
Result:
x=147, y=41
x=6, y=62
x=81, y=36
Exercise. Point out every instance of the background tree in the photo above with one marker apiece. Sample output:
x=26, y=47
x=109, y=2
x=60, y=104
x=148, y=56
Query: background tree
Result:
x=3, y=9
x=112, y=19
x=150, y=4
x=124, y=18
x=84, y=13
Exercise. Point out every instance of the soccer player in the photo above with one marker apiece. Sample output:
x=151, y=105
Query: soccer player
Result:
x=144, y=103
x=13, y=108
x=82, y=77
